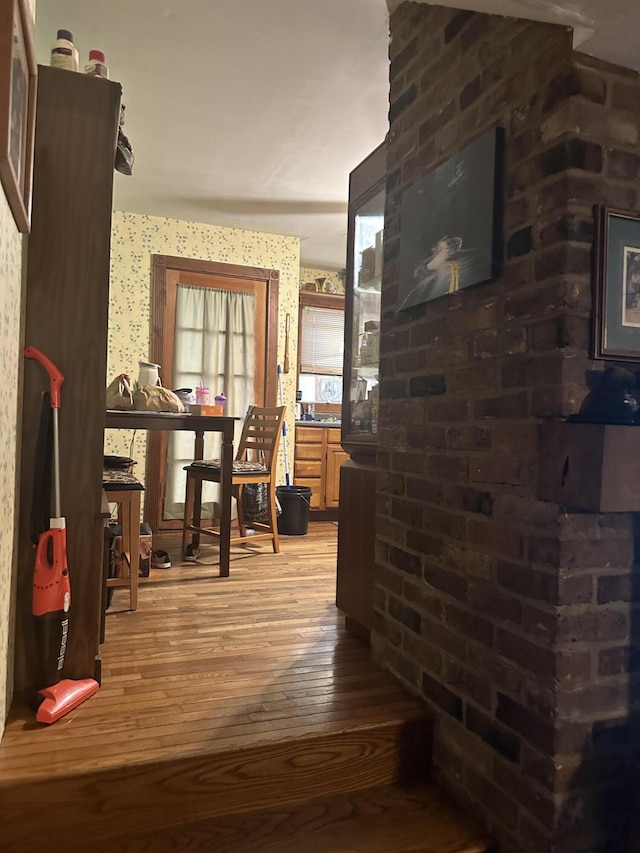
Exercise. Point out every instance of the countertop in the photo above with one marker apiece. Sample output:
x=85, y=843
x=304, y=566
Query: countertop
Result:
x=329, y=424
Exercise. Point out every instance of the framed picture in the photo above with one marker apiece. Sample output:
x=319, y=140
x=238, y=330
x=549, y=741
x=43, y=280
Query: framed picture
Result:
x=616, y=280
x=17, y=108
x=451, y=224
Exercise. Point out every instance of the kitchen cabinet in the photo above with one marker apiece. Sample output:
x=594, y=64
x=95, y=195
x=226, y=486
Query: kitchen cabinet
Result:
x=357, y=514
x=318, y=457
x=66, y=316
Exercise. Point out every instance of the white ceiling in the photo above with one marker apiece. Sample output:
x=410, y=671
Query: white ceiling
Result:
x=252, y=113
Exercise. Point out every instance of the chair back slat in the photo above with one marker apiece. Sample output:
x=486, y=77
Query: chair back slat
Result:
x=261, y=432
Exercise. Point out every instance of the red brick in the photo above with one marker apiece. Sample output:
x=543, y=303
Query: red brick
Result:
x=493, y=798
x=441, y=638
x=404, y=561
x=531, y=726
x=448, y=352
x=419, y=597
x=446, y=410
x=497, y=468
x=468, y=438
x=409, y=512
x=462, y=321
x=467, y=560
x=467, y=683
x=473, y=378
x=452, y=583
x=524, y=509
x=469, y=625
x=468, y=499
x=598, y=554
x=442, y=697
x=426, y=656
x=505, y=406
x=602, y=699
x=390, y=530
x=518, y=784
x=494, y=604
x=524, y=370
x=408, y=362
x=618, y=588
x=494, y=343
x=427, y=437
x=532, y=657
x=392, y=581
x=496, y=538
x=429, y=491
x=526, y=581
x=454, y=468
x=604, y=624
x=618, y=660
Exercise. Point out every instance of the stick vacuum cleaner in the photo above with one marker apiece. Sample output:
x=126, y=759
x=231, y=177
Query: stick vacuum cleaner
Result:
x=51, y=585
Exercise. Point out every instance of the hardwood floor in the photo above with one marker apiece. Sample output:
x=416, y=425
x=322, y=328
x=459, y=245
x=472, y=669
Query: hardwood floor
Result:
x=222, y=697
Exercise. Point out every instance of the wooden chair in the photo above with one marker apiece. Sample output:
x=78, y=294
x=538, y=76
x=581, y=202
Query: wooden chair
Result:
x=124, y=490
x=255, y=463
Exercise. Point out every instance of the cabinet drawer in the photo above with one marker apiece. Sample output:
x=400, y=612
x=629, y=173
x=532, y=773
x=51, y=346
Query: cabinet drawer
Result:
x=310, y=435
x=308, y=468
x=333, y=435
x=309, y=451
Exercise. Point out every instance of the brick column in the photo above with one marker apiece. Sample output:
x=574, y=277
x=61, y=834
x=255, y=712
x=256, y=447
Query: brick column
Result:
x=510, y=615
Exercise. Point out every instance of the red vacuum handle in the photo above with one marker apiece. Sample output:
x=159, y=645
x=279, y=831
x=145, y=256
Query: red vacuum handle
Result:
x=55, y=377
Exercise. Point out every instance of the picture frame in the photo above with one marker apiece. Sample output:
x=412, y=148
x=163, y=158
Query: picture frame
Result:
x=616, y=285
x=451, y=224
x=18, y=75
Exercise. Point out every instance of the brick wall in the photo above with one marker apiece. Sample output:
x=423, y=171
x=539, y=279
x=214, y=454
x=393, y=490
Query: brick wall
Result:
x=510, y=615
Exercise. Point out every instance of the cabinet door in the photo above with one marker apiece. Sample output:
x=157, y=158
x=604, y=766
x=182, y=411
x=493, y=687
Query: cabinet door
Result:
x=308, y=467
x=335, y=457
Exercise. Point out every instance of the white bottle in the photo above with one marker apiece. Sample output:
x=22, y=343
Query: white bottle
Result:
x=64, y=53
x=97, y=65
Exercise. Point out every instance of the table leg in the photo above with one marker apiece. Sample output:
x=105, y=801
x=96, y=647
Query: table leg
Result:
x=198, y=453
x=225, y=482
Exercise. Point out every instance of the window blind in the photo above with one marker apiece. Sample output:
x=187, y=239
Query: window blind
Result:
x=321, y=340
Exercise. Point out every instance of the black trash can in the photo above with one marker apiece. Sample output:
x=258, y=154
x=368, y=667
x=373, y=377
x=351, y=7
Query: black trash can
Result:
x=294, y=502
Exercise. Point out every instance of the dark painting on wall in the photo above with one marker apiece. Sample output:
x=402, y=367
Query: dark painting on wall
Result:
x=450, y=227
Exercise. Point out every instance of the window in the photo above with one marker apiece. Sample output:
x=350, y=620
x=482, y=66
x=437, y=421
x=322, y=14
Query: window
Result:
x=321, y=335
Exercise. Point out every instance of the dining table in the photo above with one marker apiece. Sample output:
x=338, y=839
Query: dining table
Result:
x=198, y=424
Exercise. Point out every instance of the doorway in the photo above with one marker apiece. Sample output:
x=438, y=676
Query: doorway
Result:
x=190, y=298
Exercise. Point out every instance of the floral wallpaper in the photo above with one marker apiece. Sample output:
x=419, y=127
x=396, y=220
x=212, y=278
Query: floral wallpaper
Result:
x=134, y=239
x=323, y=281
x=10, y=302
x=11, y=243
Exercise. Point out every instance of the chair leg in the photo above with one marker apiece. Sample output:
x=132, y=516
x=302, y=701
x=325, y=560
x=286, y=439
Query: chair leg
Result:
x=273, y=518
x=130, y=527
x=240, y=511
x=134, y=566
x=188, y=510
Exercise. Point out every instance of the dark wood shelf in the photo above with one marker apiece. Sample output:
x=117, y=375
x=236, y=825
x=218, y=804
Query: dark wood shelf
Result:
x=594, y=467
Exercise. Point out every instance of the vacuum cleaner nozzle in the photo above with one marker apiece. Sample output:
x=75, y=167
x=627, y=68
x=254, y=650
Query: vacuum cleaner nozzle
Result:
x=63, y=697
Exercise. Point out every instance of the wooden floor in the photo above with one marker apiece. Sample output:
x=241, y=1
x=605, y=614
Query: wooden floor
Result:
x=229, y=706
x=207, y=663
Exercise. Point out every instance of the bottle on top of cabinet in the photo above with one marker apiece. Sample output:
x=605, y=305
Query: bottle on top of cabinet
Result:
x=97, y=65
x=64, y=53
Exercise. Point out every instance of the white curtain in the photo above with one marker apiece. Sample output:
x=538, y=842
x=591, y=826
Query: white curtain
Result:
x=215, y=345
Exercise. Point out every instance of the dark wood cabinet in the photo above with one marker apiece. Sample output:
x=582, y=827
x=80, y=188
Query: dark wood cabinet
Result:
x=66, y=316
x=357, y=515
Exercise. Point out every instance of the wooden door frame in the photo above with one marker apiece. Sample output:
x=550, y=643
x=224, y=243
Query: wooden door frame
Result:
x=159, y=266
